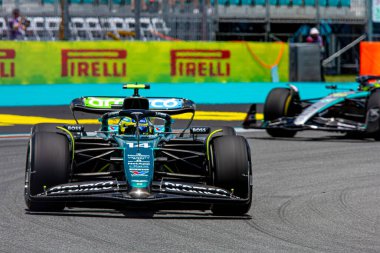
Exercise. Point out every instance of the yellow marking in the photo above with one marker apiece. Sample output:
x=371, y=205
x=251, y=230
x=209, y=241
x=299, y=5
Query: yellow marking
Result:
x=104, y=167
x=113, y=121
x=31, y=120
x=134, y=86
x=5, y=124
x=287, y=104
x=208, y=142
x=10, y=119
x=168, y=168
x=210, y=115
x=259, y=116
x=72, y=140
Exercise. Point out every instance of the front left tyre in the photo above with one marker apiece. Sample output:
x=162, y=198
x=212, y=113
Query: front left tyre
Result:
x=232, y=171
x=280, y=102
x=47, y=165
x=45, y=127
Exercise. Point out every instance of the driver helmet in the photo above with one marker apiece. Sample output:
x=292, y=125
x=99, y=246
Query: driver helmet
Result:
x=128, y=126
x=369, y=85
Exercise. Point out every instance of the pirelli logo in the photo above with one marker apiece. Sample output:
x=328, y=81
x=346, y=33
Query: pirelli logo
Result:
x=7, y=64
x=94, y=63
x=207, y=63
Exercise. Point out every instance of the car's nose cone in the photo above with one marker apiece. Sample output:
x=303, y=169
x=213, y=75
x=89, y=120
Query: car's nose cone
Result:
x=139, y=193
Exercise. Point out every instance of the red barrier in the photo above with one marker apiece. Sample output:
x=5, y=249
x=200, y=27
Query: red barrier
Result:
x=369, y=58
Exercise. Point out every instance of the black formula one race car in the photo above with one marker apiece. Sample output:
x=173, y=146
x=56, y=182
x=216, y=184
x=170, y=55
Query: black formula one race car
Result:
x=136, y=160
x=357, y=113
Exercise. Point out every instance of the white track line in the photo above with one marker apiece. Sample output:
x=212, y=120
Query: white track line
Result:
x=242, y=130
x=21, y=136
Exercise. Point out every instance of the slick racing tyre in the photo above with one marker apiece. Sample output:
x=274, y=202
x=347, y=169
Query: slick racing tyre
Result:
x=47, y=165
x=232, y=171
x=45, y=127
x=226, y=130
x=279, y=103
x=373, y=115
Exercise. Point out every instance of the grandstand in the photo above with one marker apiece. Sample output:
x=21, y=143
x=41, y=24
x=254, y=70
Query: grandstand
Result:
x=88, y=17
x=340, y=21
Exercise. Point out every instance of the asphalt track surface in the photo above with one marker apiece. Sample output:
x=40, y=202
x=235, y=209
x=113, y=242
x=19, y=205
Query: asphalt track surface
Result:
x=317, y=192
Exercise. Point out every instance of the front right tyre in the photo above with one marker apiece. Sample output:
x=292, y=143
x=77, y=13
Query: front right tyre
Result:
x=47, y=165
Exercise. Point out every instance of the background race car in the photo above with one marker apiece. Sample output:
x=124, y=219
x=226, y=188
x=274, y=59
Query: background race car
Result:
x=353, y=112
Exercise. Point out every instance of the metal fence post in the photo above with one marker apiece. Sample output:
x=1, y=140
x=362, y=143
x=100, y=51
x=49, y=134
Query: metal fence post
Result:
x=165, y=9
x=204, y=20
x=64, y=29
x=137, y=19
x=267, y=26
x=369, y=21
x=318, y=14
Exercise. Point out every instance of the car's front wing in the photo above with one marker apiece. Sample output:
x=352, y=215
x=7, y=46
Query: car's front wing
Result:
x=317, y=123
x=116, y=192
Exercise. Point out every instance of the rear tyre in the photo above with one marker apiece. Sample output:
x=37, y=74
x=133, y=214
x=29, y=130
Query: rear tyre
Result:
x=47, y=165
x=232, y=171
x=373, y=115
x=279, y=103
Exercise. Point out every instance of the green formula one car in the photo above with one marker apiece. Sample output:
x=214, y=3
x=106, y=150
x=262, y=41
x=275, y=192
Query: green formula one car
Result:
x=356, y=113
x=136, y=160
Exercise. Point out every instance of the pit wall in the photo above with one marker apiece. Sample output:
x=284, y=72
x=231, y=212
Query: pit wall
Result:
x=160, y=62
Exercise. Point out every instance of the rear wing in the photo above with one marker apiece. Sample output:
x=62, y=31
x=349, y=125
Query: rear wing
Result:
x=102, y=104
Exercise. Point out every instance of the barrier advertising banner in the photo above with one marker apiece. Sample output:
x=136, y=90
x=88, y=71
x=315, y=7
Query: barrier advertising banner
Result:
x=119, y=62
